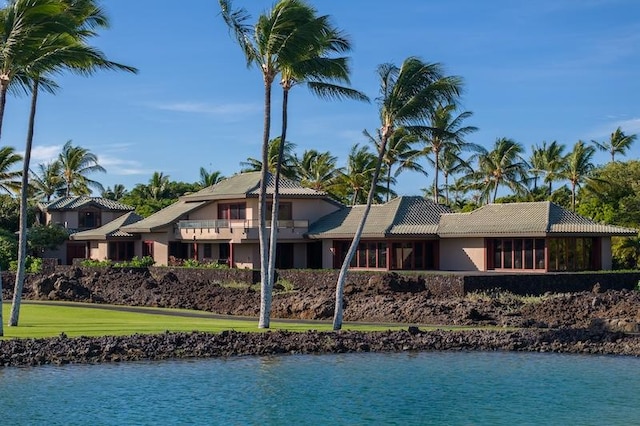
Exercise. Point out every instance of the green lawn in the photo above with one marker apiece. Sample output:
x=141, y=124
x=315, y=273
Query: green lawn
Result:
x=41, y=320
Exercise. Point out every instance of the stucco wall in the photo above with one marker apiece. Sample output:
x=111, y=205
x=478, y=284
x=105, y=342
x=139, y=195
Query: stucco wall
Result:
x=605, y=252
x=462, y=254
x=311, y=209
x=246, y=256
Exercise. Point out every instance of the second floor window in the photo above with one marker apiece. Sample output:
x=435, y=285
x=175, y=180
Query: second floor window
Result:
x=232, y=211
x=284, y=211
x=89, y=219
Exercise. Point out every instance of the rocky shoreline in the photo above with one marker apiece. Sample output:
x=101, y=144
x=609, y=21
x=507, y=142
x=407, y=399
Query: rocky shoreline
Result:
x=85, y=350
x=591, y=322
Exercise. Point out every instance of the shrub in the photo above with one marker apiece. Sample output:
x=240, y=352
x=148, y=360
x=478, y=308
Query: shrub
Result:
x=33, y=265
x=136, y=262
x=96, y=263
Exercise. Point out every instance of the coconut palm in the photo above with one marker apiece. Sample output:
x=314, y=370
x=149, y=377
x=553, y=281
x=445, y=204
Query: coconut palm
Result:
x=116, y=193
x=277, y=38
x=503, y=165
x=552, y=162
x=209, y=178
x=618, y=143
x=318, y=170
x=445, y=131
x=158, y=184
x=47, y=181
x=451, y=163
x=76, y=163
x=9, y=179
x=354, y=183
x=400, y=151
x=287, y=163
x=58, y=46
x=577, y=167
x=407, y=94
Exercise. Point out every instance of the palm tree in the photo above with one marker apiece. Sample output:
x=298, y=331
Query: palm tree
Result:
x=287, y=163
x=48, y=181
x=157, y=185
x=76, y=162
x=9, y=178
x=451, y=163
x=407, y=94
x=399, y=150
x=618, y=143
x=354, y=184
x=577, y=166
x=58, y=46
x=318, y=170
x=209, y=178
x=116, y=193
x=445, y=131
x=553, y=160
x=503, y=165
x=278, y=38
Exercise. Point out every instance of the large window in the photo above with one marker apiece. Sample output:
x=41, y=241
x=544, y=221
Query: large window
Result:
x=573, y=254
x=516, y=253
x=372, y=255
x=232, y=211
x=414, y=255
x=121, y=251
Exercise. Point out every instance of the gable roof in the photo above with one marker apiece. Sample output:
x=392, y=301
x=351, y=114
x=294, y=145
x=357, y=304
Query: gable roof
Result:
x=164, y=217
x=402, y=216
x=535, y=219
x=111, y=229
x=247, y=185
x=74, y=203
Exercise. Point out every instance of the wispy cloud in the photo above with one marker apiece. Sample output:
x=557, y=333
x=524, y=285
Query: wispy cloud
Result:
x=122, y=167
x=629, y=127
x=223, y=110
x=45, y=154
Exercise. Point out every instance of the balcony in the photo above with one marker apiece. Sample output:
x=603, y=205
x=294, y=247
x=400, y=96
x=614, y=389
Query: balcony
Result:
x=236, y=230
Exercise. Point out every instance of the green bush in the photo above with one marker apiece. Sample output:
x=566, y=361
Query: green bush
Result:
x=8, y=248
x=136, y=262
x=193, y=263
x=33, y=265
x=96, y=263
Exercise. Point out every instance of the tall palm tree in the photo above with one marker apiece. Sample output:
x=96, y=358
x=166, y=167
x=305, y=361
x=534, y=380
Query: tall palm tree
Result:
x=407, y=94
x=618, y=143
x=287, y=163
x=445, y=131
x=209, y=178
x=116, y=193
x=577, y=167
x=400, y=151
x=47, y=181
x=9, y=179
x=59, y=46
x=451, y=163
x=276, y=39
x=76, y=163
x=354, y=183
x=553, y=160
x=318, y=170
x=503, y=165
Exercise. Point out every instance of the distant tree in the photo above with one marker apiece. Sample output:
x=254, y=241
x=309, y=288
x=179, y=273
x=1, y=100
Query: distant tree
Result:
x=353, y=185
x=9, y=178
x=47, y=181
x=618, y=143
x=577, y=167
x=158, y=184
x=76, y=163
x=209, y=178
x=41, y=237
x=287, y=164
x=318, y=170
x=116, y=193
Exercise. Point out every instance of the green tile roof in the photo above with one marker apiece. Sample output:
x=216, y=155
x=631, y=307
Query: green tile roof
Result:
x=524, y=219
x=164, y=217
x=74, y=203
x=402, y=216
x=111, y=229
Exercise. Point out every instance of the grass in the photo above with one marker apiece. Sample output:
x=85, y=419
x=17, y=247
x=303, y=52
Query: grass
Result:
x=43, y=320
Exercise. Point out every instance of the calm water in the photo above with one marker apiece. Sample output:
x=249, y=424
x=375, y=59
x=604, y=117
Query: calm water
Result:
x=405, y=389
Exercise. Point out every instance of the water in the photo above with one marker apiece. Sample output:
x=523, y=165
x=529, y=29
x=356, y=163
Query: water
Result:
x=469, y=388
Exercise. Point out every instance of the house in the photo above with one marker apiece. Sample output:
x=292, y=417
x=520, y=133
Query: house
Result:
x=220, y=224
x=77, y=214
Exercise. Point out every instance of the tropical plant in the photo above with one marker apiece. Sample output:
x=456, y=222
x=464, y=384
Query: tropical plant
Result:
x=9, y=178
x=618, y=143
x=547, y=160
x=451, y=163
x=116, y=193
x=43, y=237
x=76, y=163
x=407, y=94
x=209, y=178
x=400, y=151
x=287, y=164
x=318, y=170
x=577, y=167
x=47, y=181
x=353, y=185
x=158, y=185
x=445, y=132
x=503, y=165
x=57, y=44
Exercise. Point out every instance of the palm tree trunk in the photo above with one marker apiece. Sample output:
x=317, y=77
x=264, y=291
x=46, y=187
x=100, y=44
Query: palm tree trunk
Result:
x=436, y=152
x=573, y=196
x=446, y=187
x=22, y=231
x=4, y=86
x=388, y=183
x=265, y=290
x=273, y=240
x=495, y=191
x=342, y=277
x=1, y=320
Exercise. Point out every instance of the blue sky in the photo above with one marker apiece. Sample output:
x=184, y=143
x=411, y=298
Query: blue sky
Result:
x=534, y=71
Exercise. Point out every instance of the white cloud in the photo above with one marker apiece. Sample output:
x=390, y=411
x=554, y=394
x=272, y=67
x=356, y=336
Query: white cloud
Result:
x=209, y=109
x=121, y=167
x=45, y=154
x=629, y=127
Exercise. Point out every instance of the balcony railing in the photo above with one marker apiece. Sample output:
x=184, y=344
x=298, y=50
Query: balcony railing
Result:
x=234, y=224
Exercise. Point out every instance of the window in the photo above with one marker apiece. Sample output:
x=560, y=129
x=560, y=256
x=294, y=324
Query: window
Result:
x=147, y=248
x=89, y=219
x=515, y=253
x=284, y=211
x=573, y=254
x=121, y=251
x=371, y=254
x=232, y=211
